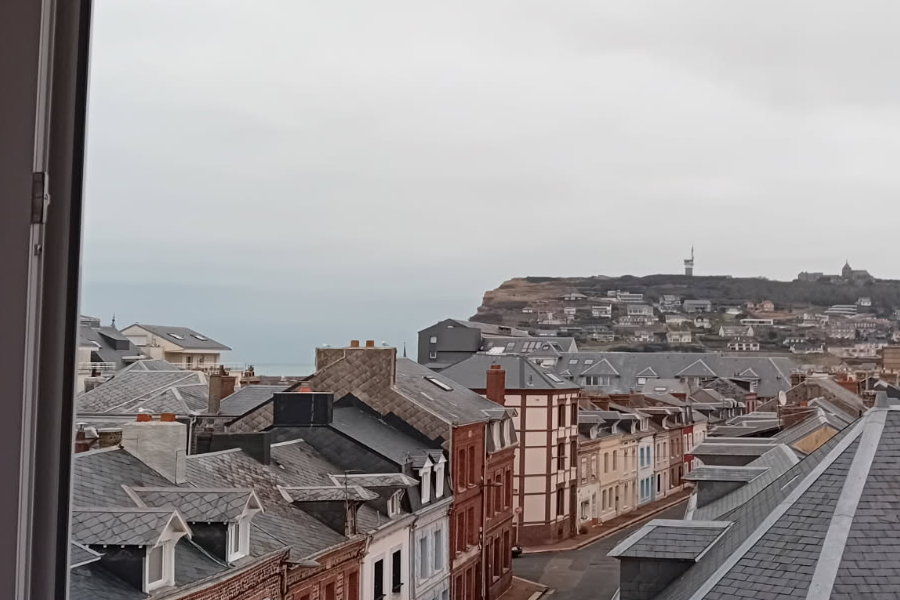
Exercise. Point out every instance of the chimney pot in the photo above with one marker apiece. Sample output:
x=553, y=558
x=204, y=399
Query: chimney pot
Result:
x=354, y=343
x=305, y=388
x=167, y=417
x=144, y=417
x=370, y=343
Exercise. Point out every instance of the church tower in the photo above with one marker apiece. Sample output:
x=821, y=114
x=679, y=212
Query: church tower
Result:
x=847, y=271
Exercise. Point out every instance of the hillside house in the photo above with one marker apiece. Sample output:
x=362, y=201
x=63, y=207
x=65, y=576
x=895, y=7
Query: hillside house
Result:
x=601, y=311
x=702, y=322
x=669, y=303
x=527, y=310
x=864, y=301
x=679, y=337
x=676, y=320
x=736, y=331
x=569, y=310
x=743, y=344
x=639, y=310
x=697, y=306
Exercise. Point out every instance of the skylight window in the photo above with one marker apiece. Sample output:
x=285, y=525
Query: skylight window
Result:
x=554, y=378
x=439, y=383
x=589, y=361
x=199, y=337
x=573, y=361
x=176, y=336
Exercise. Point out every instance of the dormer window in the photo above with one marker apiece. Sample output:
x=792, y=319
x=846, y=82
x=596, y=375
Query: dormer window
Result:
x=426, y=483
x=159, y=566
x=238, y=539
x=439, y=478
x=393, y=505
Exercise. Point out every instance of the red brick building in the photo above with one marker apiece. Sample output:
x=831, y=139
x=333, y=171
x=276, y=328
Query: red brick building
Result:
x=477, y=435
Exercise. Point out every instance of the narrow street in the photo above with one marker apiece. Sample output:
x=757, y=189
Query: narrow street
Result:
x=584, y=574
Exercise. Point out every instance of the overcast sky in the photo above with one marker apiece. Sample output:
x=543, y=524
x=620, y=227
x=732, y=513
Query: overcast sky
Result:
x=283, y=174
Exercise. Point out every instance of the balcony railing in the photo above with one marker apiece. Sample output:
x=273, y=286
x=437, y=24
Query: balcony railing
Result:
x=101, y=367
x=209, y=368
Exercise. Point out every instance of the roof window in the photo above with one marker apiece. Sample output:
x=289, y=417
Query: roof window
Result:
x=554, y=378
x=589, y=361
x=176, y=336
x=439, y=383
x=199, y=337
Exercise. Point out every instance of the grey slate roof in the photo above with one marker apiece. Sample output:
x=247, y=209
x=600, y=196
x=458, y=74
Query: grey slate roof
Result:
x=107, y=344
x=526, y=345
x=789, y=541
x=213, y=505
x=670, y=540
x=247, y=398
x=375, y=480
x=374, y=433
x=775, y=462
x=458, y=406
x=521, y=374
x=490, y=328
x=81, y=555
x=191, y=340
x=149, y=387
x=120, y=526
x=774, y=373
x=327, y=493
x=745, y=473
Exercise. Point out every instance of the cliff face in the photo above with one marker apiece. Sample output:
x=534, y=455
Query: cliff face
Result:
x=505, y=304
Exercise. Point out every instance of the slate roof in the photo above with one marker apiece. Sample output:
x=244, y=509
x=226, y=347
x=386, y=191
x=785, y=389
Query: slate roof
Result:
x=247, y=398
x=458, y=406
x=565, y=344
x=712, y=473
x=371, y=431
x=790, y=540
x=149, y=387
x=708, y=448
x=327, y=493
x=212, y=505
x=139, y=526
x=775, y=462
x=81, y=555
x=774, y=373
x=107, y=344
x=375, y=480
x=521, y=374
x=489, y=328
x=191, y=340
x=670, y=540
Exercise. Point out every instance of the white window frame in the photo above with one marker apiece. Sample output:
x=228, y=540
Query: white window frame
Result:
x=425, y=475
x=168, y=567
x=433, y=339
x=439, y=478
x=438, y=553
x=239, y=531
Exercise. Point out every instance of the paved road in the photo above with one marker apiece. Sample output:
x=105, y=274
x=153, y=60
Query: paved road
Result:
x=585, y=574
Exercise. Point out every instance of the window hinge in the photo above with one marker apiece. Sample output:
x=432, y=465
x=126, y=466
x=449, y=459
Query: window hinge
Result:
x=40, y=197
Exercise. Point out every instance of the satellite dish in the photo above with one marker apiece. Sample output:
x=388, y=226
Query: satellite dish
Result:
x=782, y=398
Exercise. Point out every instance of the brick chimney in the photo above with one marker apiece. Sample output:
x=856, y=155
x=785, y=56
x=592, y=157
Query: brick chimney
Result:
x=221, y=385
x=81, y=442
x=370, y=343
x=496, y=385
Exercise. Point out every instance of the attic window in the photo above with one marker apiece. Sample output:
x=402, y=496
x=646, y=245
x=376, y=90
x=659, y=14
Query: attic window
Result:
x=176, y=336
x=199, y=337
x=393, y=505
x=554, y=378
x=588, y=361
x=573, y=361
x=439, y=383
x=159, y=567
x=239, y=539
x=659, y=389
